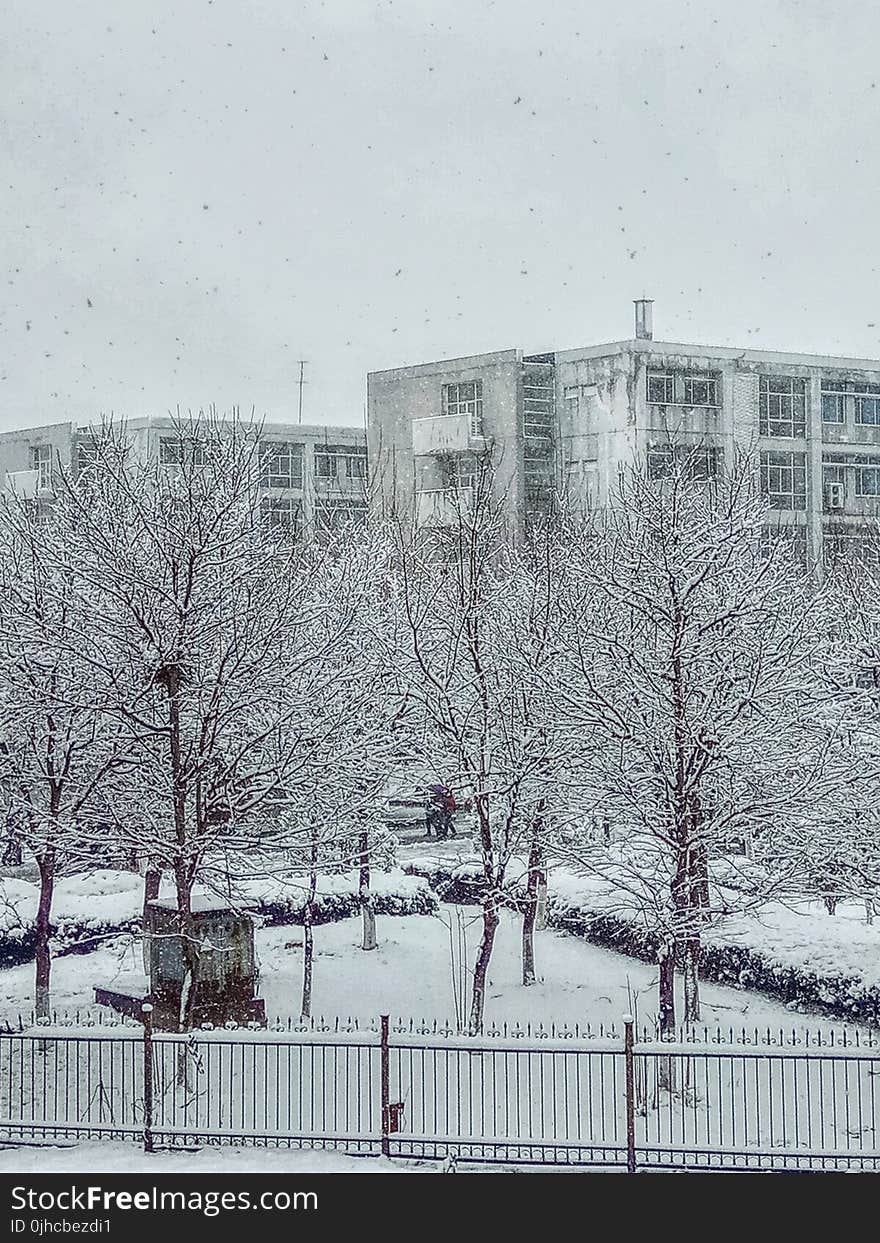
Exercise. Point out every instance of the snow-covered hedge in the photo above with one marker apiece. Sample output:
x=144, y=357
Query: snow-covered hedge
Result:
x=812, y=961
x=93, y=906
x=394, y=893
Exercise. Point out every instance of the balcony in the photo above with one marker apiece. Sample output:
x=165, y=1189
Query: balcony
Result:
x=442, y=507
x=25, y=484
x=445, y=433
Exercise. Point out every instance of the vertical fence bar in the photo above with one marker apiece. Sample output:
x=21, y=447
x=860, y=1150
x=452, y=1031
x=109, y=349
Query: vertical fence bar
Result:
x=630, y=1094
x=386, y=1087
x=147, y=1011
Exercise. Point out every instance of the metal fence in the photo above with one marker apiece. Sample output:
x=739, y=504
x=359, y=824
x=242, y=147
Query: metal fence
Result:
x=515, y=1095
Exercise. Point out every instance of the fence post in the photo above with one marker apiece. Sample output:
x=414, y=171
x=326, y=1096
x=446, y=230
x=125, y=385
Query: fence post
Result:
x=386, y=1087
x=630, y=1094
x=147, y=1012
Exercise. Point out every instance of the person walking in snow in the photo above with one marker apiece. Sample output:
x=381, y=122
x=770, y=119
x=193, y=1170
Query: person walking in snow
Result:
x=441, y=812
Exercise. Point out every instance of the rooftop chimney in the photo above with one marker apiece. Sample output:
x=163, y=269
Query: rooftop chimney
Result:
x=644, y=319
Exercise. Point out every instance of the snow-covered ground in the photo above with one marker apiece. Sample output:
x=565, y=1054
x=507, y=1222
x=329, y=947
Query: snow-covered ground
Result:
x=556, y=1093
x=800, y=935
x=411, y=974
x=122, y=1158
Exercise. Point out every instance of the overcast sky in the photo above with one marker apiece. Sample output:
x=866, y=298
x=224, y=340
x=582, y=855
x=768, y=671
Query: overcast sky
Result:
x=198, y=194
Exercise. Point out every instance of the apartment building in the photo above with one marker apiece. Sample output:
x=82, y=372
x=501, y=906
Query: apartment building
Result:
x=568, y=421
x=314, y=478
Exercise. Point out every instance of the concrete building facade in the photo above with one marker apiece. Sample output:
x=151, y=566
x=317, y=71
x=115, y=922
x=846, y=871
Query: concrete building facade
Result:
x=313, y=477
x=568, y=421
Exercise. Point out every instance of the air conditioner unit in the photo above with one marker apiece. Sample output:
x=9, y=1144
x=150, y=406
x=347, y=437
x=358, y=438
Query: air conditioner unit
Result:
x=835, y=496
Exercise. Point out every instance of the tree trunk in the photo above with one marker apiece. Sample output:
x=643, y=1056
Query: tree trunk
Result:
x=666, y=1016
x=830, y=904
x=700, y=867
x=366, y=896
x=541, y=911
x=692, y=979
x=530, y=914
x=189, y=947
x=528, y=934
x=152, y=882
x=308, y=958
x=43, y=955
x=11, y=851
x=666, y=1020
x=184, y=867
x=490, y=926
x=308, y=934
x=698, y=902
x=869, y=910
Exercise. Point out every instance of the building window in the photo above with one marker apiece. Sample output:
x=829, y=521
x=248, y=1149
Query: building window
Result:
x=696, y=462
x=571, y=396
x=41, y=462
x=539, y=478
x=784, y=480
x=661, y=388
x=281, y=513
x=833, y=408
x=682, y=388
x=867, y=404
x=340, y=462
x=782, y=406
x=845, y=542
x=700, y=390
x=281, y=464
x=465, y=398
x=337, y=513
x=790, y=541
x=868, y=481
x=460, y=473
x=86, y=455
x=177, y=451
x=834, y=401
x=539, y=407
x=590, y=488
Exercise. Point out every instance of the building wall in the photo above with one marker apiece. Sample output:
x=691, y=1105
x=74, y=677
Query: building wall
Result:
x=396, y=399
x=595, y=398
x=604, y=419
x=16, y=446
x=319, y=499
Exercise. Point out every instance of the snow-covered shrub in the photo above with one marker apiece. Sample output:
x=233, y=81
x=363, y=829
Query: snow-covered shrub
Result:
x=583, y=913
x=337, y=897
x=90, y=911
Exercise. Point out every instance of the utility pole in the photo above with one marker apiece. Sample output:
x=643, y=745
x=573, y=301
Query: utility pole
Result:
x=302, y=364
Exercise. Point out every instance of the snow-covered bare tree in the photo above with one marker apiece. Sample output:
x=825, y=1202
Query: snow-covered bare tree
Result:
x=842, y=853
x=57, y=751
x=350, y=708
x=696, y=720
x=457, y=598
x=205, y=629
